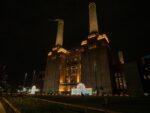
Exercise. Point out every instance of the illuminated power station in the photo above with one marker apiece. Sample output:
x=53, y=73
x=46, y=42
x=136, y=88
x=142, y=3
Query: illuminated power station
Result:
x=89, y=64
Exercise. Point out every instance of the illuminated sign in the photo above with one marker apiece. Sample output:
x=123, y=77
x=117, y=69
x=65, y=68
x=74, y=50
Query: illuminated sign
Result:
x=33, y=90
x=81, y=89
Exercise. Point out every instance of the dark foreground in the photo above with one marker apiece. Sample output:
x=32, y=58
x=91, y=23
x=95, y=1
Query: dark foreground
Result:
x=33, y=104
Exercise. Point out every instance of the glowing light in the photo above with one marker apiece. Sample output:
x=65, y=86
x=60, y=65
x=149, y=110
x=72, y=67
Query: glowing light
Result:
x=33, y=90
x=55, y=48
x=64, y=88
x=103, y=36
x=50, y=53
x=61, y=88
x=62, y=50
x=81, y=90
x=78, y=78
x=91, y=36
x=99, y=37
x=61, y=81
x=84, y=42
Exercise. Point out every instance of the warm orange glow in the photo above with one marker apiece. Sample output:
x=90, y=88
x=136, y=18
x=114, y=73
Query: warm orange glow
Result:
x=103, y=36
x=50, y=53
x=99, y=37
x=84, y=42
x=91, y=36
x=79, y=74
x=55, y=48
x=78, y=80
x=62, y=50
x=67, y=88
x=61, y=88
x=61, y=80
x=64, y=88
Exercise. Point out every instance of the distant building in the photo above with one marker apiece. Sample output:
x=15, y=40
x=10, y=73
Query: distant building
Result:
x=126, y=76
x=133, y=80
x=119, y=77
x=145, y=72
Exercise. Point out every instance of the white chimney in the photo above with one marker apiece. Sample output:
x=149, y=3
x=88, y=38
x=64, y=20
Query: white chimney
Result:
x=93, y=24
x=60, y=30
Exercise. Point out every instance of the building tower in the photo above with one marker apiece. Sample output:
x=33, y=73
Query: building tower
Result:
x=95, y=65
x=93, y=24
x=59, y=37
x=55, y=62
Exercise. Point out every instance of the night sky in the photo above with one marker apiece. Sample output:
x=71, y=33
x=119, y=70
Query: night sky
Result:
x=27, y=32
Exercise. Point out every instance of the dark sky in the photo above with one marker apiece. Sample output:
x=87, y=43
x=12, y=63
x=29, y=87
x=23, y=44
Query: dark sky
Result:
x=26, y=32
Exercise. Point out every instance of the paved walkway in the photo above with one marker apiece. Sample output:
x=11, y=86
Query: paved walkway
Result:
x=2, y=110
